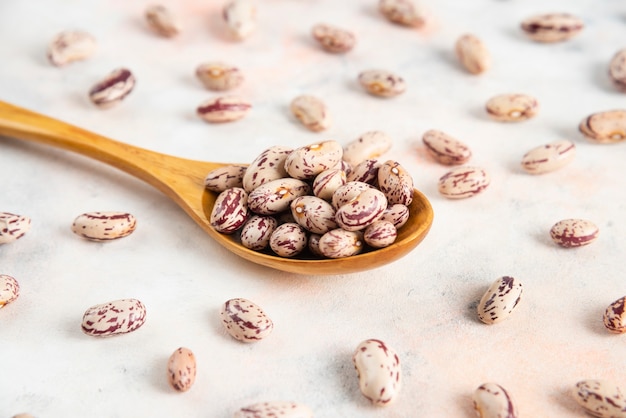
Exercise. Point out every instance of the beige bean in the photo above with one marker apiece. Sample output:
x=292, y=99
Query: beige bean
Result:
x=240, y=18
x=9, y=289
x=552, y=27
x=500, y=299
x=288, y=239
x=333, y=39
x=267, y=166
x=397, y=214
x=402, y=12
x=117, y=317
x=370, y=145
x=311, y=112
x=327, y=182
x=162, y=21
x=600, y=398
x=493, y=401
x=473, y=54
x=463, y=182
x=380, y=234
x=181, y=369
x=112, y=89
x=605, y=127
x=274, y=409
x=396, y=183
x=614, y=317
x=340, y=243
x=104, y=226
x=365, y=172
x=223, y=109
x=71, y=46
x=378, y=370
x=245, y=321
x=549, y=157
x=275, y=196
x=512, y=107
x=313, y=214
x=363, y=210
x=219, y=76
x=445, y=149
x=223, y=178
x=230, y=210
x=348, y=192
x=570, y=233
x=382, y=83
x=306, y=162
x=257, y=231
x=617, y=70
x=13, y=227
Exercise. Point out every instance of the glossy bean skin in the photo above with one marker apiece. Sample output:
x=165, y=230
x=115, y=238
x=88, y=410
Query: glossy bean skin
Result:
x=306, y=162
x=605, y=127
x=13, y=227
x=512, y=107
x=361, y=211
x=230, y=211
x=365, y=172
x=223, y=178
x=549, y=157
x=313, y=214
x=327, y=182
x=181, y=369
x=113, y=318
x=380, y=234
x=446, y=149
x=614, y=317
x=245, y=321
x=311, y=112
x=257, y=231
x=370, y=145
x=378, y=371
x=572, y=233
x=223, y=109
x=288, y=240
x=397, y=214
x=9, y=289
x=348, y=192
x=275, y=196
x=104, y=226
x=339, y=243
x=500, y=299
x=493, y=401
x=463, y=182
x=600, y=398
x=267, y=166
x=382, y=83
x=113, y=89
x=396, y=183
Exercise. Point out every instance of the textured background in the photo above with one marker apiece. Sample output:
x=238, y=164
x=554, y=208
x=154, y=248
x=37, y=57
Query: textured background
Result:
x=422, y=305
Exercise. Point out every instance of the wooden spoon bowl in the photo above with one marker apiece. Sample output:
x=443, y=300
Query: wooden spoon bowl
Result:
x=183, y=181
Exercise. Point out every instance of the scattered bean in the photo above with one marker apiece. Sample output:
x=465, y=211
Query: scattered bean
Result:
x=117, y=317
x=571, y=233
x=370, y=145
x=223, y=109
x=104, y=226
x=615, y=316
x=552, y=27
x=463, y=182
x=223, y=178
x=112, y=89
x=311, y=112
x=493, y=401
x=307, y=162
x=512, y=107
x=378, y=370
x=245, y=320
x=499, y=300
x=401, y=12
x=257, y=231
x=274, y=409
x=617, y=70
x=162, y=21
x=549, y=157
x=333, y=39
x=473, y=54
x=9, y=290
x=600, y=398
x=13, y=227
x=288, y=240
x=380, y=234
x=219, y=76
x=230, y=210
x=446, y=149
x=240, y=18
x=382, y=83
x=181, y=369
x=605, y=127
x=70, y=46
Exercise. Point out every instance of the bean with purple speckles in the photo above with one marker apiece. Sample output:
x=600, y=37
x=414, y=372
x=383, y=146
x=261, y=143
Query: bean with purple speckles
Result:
x=313, y=214
x=333, y=39
x=493, y=401
x=288, y=239
x=570, y=233
x=370, y=145
x=615, y=316
x=600, y=398
x=512, y=107
x=500, y=299
x=311, y=112
x=274, y=409
x=605, y=127
x=463, y=182
x=306, y=162
x=219, y=76
x=245, y=320
x=223, y=109
x=340, y=243
x=181, y=369
x=446, y=149
x=552, y=27
x=162, y=21
x=223, y=178
x=378, y=370
x=13, y=227
x=382, y=83
x=549, y=157
x=380, y=234
x=113, y=88
x=104, y=226
x=9, y=289
x=117, y=317
x=70, y=46
x=230, y=211
x=401, y=12
x=257, y=231
x=363, y=210
x=395, y=182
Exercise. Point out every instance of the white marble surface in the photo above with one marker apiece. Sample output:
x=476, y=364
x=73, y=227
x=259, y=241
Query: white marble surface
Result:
x=422, y=305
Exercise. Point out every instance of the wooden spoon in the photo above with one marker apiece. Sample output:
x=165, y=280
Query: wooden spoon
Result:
x=183, y=181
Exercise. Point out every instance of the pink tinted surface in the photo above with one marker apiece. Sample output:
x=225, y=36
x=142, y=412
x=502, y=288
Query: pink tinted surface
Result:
x=423, y=306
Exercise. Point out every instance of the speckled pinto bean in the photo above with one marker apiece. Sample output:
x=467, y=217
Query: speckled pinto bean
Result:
x=600, y=398
x=117, y=317
x=396, y=183
x=382, y=83
x=112, y=89
x=240, y=18
x=552, y=27
x=245, y=320
x=257, y=231
x=445, y=149
x=378, y=369
x=327, y=182
x=162, y=21
x=288, y=239
x=370, y=145
x=275, y=196
x=473, y=54
x=348, y=192
x=230, y=211
x=397, y=214
x=380, y=234
x=313, y=214
x=307, y=162
x=365, y=209
x=104, y=226
x=401, y=12
x=549, y=157
x=219, y=76
x=223, y=178
x=333, y=39
x=9, y=290
x=13, y=227
x=617, y=70
x=70, y=46
x=493, y=401
x=311, y=112
x=267, y=166
x=274, y=409
x=615, y=316
x=512, y=107
x=181, y=369
x=340, y=243
x=499, y=301
x=605, y=127
x=463, y=182
x=365, y=172
x=570, y=233
x=223, y=109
